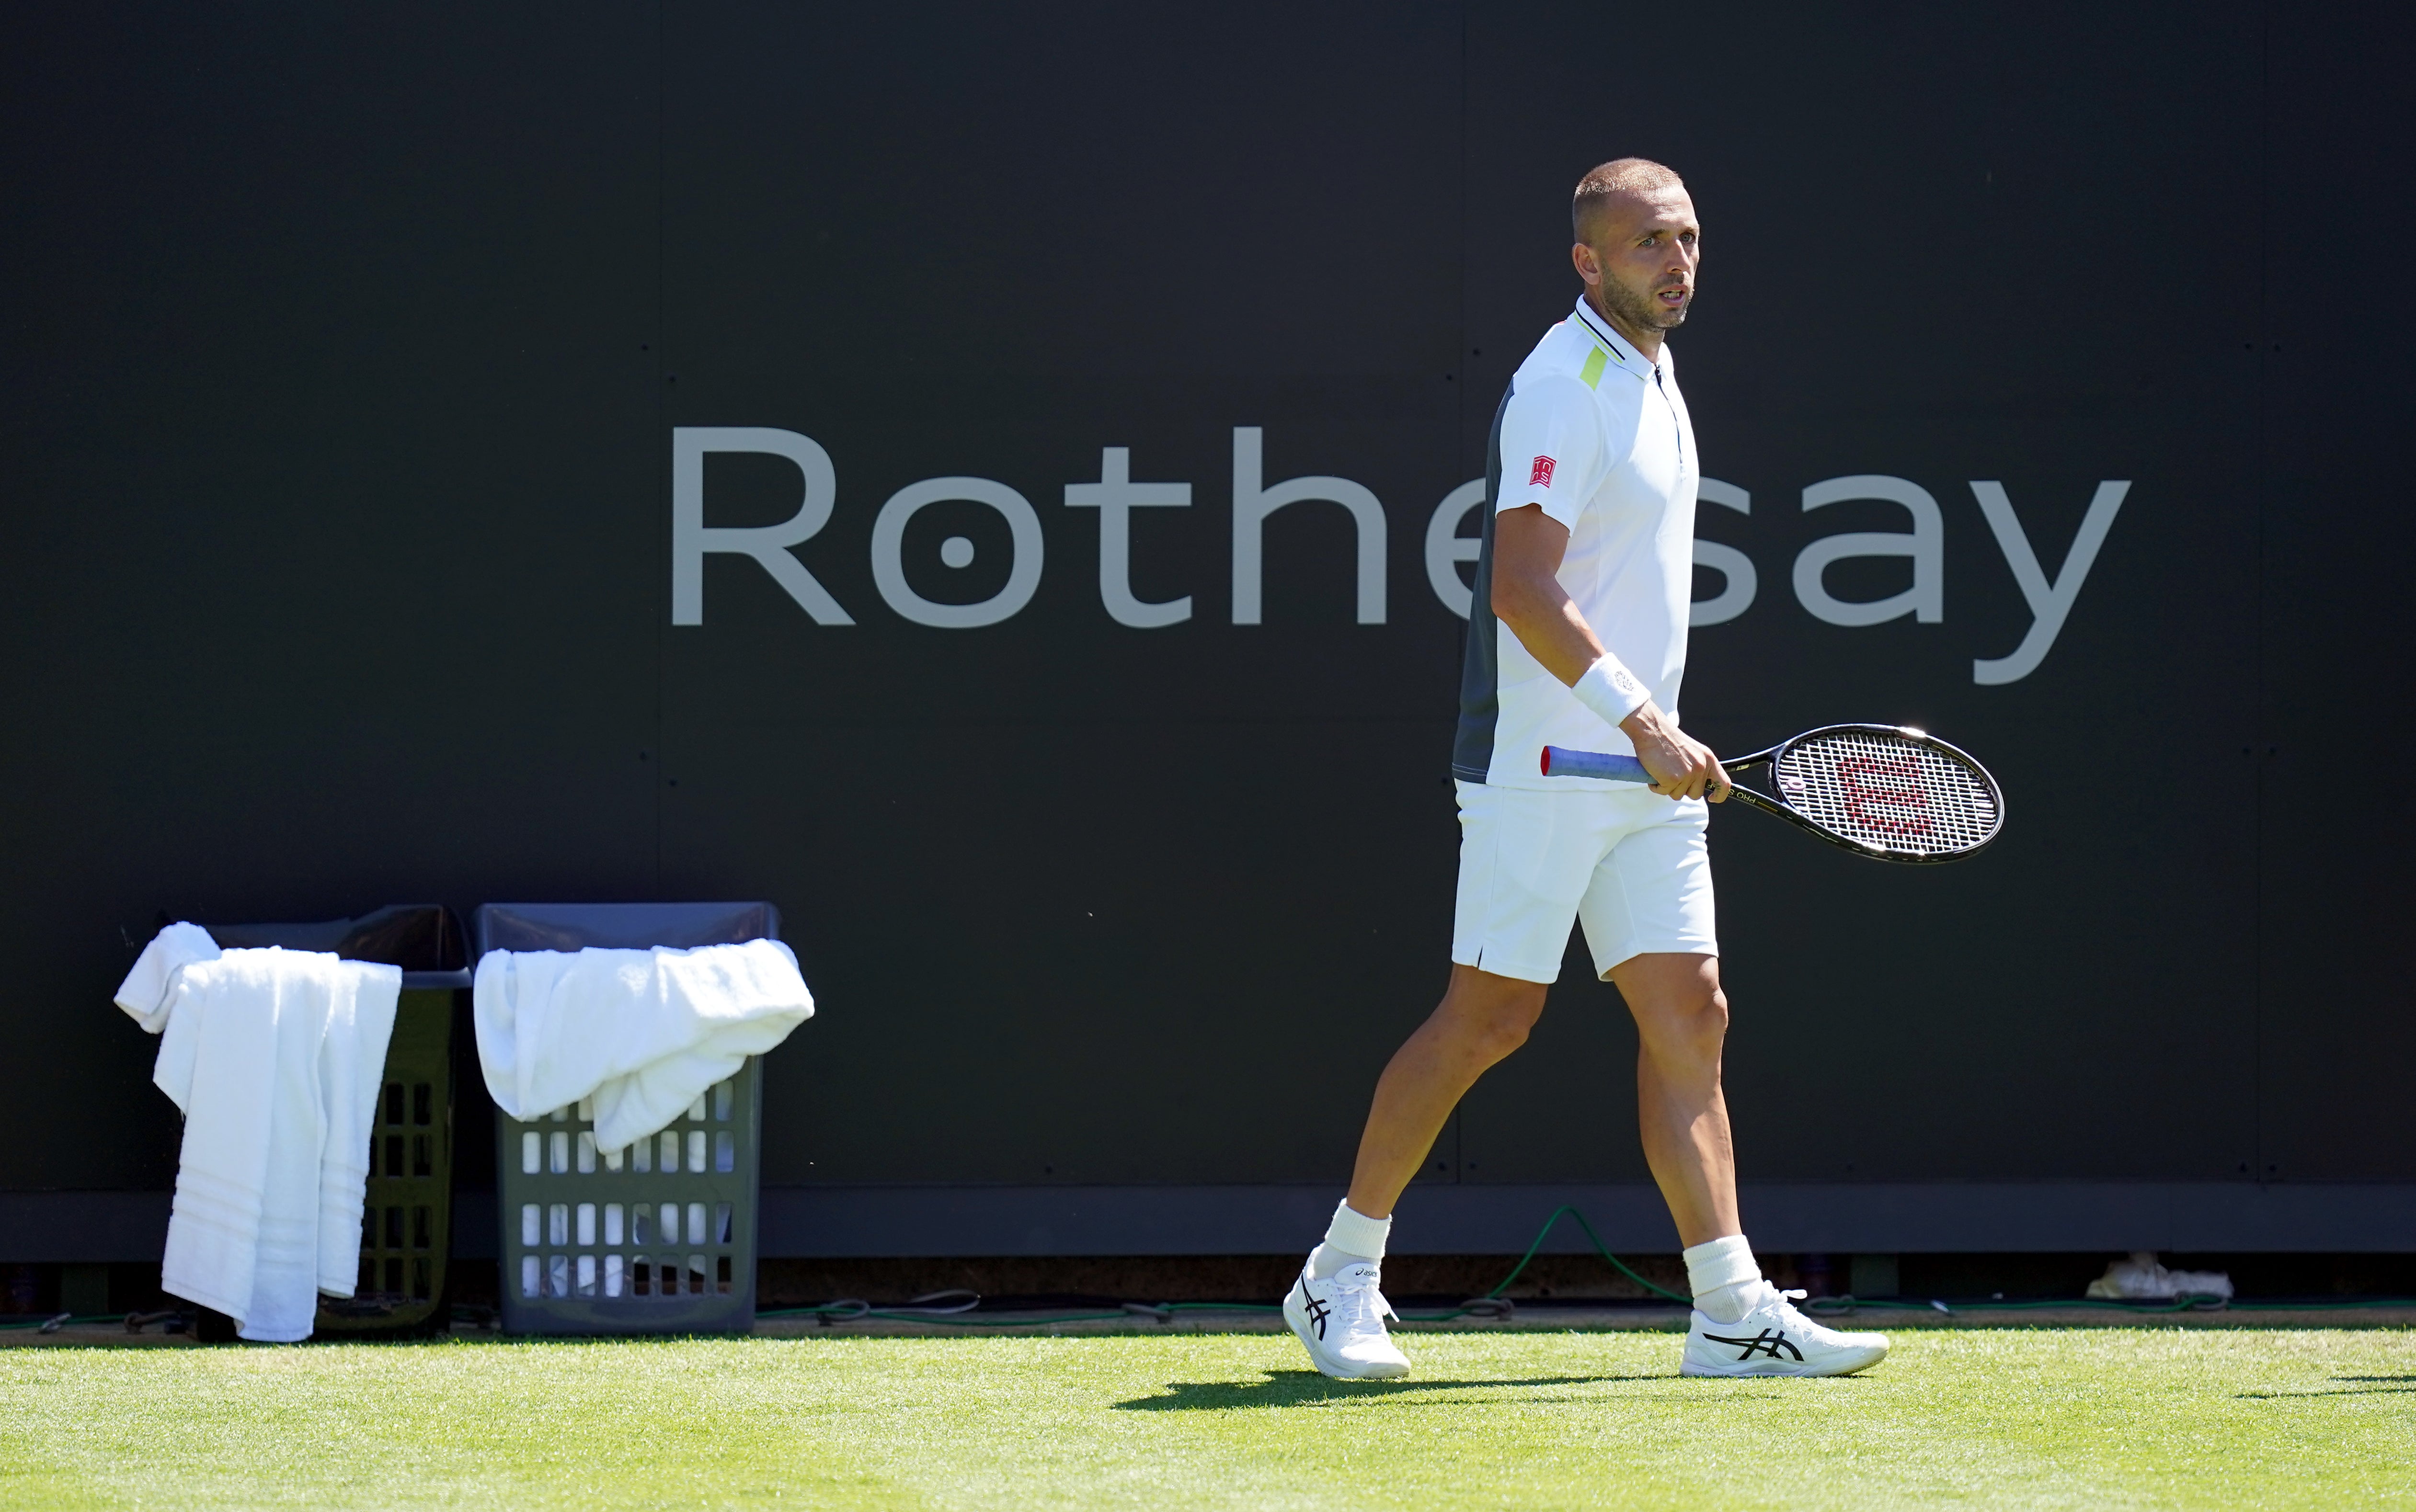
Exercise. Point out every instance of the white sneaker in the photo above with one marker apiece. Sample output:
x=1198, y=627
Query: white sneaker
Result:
x=1340, y=1320
x=1775, y=1340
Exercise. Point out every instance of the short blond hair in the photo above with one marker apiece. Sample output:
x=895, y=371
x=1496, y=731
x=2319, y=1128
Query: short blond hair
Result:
x=1621, y=176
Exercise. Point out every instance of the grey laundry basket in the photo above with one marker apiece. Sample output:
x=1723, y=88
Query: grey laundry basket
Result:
x=657, y=1238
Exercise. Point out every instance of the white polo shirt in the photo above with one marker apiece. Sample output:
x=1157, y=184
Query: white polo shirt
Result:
x=1597, y=435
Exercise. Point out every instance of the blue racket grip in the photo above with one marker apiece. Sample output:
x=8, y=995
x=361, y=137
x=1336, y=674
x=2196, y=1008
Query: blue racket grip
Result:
x=1559, y=761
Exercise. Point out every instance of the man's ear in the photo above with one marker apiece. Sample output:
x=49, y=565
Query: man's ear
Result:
x=1588, y=266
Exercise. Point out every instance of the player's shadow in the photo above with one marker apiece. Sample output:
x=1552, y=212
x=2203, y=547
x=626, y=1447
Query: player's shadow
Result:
x=1307, y=1388
x=2377, y=1383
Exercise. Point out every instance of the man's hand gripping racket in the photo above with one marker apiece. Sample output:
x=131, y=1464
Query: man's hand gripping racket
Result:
x=1878, y=790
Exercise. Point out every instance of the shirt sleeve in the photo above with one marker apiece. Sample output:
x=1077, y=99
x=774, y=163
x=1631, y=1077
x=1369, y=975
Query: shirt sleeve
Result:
x=1551, y=449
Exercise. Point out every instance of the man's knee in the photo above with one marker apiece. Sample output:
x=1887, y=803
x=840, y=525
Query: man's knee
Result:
x=1706, y=1019
x=1496, y=1035
x=1676, y=998
x=1490, y=1015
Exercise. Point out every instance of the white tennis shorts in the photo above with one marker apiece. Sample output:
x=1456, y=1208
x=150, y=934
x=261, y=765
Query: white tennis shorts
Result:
x=1631, y=863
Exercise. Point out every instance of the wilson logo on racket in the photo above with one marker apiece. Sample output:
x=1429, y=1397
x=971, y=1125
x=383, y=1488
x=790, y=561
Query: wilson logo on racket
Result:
x=1879, y=790
x=1864, y=800
x=1540, y=475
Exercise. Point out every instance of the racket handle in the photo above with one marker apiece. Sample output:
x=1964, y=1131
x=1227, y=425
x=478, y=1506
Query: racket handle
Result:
x=1559, y=761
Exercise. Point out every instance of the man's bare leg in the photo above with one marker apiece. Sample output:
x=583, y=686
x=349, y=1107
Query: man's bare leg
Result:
x=1334, y=1308
x=1681, y=1018
x=1482, y=1018
x=1742, y=1325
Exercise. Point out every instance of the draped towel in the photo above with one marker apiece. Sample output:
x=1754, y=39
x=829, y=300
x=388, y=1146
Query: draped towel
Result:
x=274, y=1057
x=642, y=1032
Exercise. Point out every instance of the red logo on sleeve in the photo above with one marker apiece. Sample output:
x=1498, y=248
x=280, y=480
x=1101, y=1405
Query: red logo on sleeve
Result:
x=1540, y=475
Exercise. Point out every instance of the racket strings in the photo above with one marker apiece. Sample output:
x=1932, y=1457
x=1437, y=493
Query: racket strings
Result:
x=1893, y=794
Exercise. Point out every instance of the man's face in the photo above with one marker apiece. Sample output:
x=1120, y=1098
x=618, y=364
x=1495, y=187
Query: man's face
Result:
x=1642, y=261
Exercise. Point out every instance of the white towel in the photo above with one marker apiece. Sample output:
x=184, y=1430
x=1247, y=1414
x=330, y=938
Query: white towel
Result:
x=642, y=1032
x=145, y=990
x=352, y=1069
x=274, y=1057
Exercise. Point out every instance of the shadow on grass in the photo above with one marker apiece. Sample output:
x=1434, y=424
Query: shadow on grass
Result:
x=2374, y=1385
x=1307, y=1388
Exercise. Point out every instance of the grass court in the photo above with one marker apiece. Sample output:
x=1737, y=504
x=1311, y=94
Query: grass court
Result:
x=2044, y=1418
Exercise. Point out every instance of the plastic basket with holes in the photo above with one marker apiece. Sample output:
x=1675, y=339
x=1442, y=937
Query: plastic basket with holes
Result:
x=657, y=1237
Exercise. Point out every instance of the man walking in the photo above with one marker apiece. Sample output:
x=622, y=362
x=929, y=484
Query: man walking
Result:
x=1577, y=638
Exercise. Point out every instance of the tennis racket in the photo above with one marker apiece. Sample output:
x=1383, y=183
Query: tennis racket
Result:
x=1879, y=790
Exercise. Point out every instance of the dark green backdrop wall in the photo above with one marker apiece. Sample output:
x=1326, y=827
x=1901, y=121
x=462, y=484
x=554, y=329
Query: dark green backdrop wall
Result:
x=344, y=354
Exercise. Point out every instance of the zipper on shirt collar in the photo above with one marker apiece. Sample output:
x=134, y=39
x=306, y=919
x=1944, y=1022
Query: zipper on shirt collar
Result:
x=1674, y=425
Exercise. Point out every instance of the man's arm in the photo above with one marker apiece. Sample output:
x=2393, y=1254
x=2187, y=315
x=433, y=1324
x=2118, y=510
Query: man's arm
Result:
x=1527, y=546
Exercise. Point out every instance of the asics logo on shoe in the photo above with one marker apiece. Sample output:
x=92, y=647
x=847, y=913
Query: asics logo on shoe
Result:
x=1317, y=1310
x=1769, y=1342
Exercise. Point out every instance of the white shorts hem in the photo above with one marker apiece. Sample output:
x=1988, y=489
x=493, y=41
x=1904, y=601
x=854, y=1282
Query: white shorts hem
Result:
x=1494, y=962
x=1658, y=948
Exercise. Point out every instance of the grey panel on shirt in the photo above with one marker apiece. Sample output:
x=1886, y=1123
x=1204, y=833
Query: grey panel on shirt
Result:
x=1480, y=670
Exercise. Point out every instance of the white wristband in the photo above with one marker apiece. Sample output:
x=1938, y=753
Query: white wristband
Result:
x=1609, y=690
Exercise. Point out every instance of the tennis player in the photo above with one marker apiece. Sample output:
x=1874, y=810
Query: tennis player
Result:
x=1577, y=638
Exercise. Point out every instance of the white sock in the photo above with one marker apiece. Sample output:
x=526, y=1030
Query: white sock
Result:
x=1724, y=1278
x=1352, y=1238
